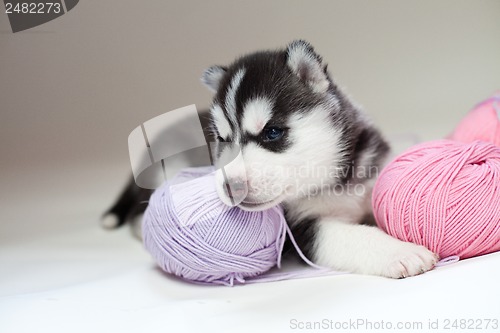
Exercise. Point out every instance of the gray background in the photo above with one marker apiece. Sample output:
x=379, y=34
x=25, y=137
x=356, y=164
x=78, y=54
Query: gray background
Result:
x=72, y=90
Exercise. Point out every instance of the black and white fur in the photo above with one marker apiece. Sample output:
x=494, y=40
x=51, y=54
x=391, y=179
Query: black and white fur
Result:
x=287, y=122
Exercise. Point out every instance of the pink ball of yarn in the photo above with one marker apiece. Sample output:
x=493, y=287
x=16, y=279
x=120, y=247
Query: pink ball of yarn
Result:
x=444, y=195
x=481, y=123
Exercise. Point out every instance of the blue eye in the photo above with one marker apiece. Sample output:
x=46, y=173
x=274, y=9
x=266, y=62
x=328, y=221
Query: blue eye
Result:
x=273, y=133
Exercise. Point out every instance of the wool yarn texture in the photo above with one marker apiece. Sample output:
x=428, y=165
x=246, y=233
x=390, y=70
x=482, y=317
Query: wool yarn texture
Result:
x=444, y=195
x=481, y=123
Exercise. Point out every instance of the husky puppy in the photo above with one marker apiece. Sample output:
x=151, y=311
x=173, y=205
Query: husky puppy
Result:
x=303, y=143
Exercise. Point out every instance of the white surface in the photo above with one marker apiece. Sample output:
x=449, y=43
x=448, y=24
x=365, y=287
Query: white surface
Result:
x=60, y=272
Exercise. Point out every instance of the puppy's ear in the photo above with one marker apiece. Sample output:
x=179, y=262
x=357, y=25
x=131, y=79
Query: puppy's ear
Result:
x=307, y=65
x=213, y=76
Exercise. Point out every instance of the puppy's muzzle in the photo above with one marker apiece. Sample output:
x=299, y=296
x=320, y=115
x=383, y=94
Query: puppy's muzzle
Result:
x=236, y=188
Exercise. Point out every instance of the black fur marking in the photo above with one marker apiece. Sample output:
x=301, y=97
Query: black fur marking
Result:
x=277, y=146
x=369, y=141
x=268, y=75
x=304, y=232
x=132, y=202
x=369, y=220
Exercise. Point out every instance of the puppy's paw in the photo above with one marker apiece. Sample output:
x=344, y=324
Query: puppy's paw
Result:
x=110, y=221
x=408, y=259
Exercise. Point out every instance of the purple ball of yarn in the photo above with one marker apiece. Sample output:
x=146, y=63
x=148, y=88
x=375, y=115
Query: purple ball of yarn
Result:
x=192, y=234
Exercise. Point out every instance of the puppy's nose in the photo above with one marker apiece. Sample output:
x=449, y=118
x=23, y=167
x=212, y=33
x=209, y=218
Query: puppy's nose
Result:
x=235, y=188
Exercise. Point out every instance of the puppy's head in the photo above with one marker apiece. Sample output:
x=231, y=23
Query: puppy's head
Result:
x=280, y=126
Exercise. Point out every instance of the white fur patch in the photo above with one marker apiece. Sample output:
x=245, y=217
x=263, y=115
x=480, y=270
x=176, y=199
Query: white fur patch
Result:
x=368, y=250
x=315, y=148
x=212, y=77
x=306, y=65
x=220, y=121
x=231, y=95
x=315, y=136
x=256, y=113
x=109, y=221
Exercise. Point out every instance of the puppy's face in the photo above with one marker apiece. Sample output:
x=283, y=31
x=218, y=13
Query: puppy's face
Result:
x=277, y=134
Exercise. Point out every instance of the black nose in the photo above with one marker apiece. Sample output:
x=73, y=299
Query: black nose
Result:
x=235, y=188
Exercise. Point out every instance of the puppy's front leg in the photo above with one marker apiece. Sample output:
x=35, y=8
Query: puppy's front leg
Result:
x=368, y=250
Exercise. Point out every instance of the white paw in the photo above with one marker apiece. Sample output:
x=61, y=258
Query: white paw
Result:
x=407, y=259
x=109, y=221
